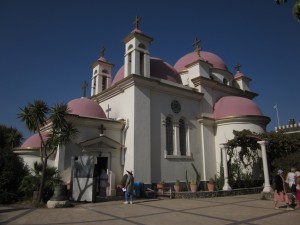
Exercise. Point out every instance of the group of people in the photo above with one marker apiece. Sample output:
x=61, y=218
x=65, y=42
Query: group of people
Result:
x=280, y=194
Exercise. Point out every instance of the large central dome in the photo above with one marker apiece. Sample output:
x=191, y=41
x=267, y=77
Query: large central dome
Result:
x=209, y=57
x=158, y=68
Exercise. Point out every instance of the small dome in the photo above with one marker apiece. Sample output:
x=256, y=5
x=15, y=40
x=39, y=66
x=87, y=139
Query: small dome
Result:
x=158, y=68
x=85, y=107
x=34, y=141
x=136, y=30
x=238, y=75
x=235, y=106
x=102, y=58
x=209, y=57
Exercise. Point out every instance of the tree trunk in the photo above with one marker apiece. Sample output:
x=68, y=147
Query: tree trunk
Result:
x=42, y=181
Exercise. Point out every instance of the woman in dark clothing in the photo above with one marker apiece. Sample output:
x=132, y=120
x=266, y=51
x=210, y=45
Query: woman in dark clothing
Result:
x=280, y=193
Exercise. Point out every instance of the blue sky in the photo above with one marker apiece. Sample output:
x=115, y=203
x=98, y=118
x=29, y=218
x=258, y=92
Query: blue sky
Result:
x=47, y=47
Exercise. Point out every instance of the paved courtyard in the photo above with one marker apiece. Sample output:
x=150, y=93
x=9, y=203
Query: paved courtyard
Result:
x=233, y=210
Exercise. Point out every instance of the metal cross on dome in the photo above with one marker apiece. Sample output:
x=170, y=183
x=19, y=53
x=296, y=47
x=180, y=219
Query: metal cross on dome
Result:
x=84, y=86
x=136, y=22
x=102, y=51
x=237, y=67
x=197, y=46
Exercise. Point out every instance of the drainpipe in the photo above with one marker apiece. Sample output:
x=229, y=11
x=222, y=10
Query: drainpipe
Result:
x=123, y=142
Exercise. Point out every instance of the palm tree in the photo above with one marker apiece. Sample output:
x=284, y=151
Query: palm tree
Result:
x=36, y=116
x=14, y=137
x=295, y=10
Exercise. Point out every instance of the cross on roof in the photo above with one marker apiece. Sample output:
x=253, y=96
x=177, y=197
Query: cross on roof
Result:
x=136, y=22
x=102, y=51
x=102, y=129
x=197, y=46
x=84, y=86
x=108, y=110
x=237, y=67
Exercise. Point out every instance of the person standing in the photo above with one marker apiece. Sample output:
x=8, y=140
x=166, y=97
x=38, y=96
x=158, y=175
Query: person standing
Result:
x=280, y=192
x=129, y=188
x=103, y=183
x=291, y=180
x=298, y=192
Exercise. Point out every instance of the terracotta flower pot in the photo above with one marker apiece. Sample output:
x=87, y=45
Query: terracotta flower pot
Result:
x=193, y=187
x=160, y=186
x=211, y=186
x=177, y=188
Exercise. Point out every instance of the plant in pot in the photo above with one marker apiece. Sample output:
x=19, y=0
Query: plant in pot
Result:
x=193, y=185
x=211, y=185
x=160, y=186
x=177, y=186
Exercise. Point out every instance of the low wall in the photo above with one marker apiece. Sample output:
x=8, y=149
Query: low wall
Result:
x=207, y=194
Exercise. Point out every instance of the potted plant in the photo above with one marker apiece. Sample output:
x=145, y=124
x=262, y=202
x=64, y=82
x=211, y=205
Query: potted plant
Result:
x=160, y=186
x=193, y=185
x=211, y=184
x=177, y=186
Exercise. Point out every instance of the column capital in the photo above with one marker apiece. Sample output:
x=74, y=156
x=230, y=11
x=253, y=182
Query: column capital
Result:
x=223, y=145
x=262, y=142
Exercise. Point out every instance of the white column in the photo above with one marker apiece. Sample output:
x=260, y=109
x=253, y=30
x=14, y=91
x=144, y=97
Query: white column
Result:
x=176, y=150
x=188, y=147
x=126, y=65
x=146, y=64
x=267, y=186
x=226, y=186
x=135, y=62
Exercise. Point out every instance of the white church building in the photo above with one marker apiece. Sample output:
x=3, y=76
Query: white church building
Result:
x=153, y=118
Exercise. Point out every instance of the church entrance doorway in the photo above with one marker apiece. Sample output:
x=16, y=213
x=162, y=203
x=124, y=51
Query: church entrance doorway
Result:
x=100, y=173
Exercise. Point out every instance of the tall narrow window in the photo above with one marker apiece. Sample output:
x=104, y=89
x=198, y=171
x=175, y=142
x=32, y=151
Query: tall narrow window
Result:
x=182, y=137
x=94, y=85
x=169, y=135
x=142, y=63
x=129, y=63
x=104, y=81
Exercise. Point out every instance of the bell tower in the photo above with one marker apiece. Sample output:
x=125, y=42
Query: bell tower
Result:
x=137, y=56
x=101, y=78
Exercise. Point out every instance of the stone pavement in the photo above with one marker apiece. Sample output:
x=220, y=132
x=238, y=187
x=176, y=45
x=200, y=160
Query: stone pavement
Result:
x=233, y=210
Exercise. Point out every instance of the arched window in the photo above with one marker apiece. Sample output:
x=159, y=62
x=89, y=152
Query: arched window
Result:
x=141, y=45
x=169, y=135
x=130, y=47
x=182, y=137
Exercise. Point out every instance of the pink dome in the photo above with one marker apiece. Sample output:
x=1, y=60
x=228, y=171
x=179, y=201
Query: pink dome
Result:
x=209, y=57
x=136, y=30
x=158, y=69
x=119, y=75
x=235, y=106
x=85, y=107
x=34, y=141
x=102, y=58
x=238, y=75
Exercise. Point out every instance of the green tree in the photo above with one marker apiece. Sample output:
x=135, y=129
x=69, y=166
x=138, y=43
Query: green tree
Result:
x=280, y=147
x=36, y=116
x=295, y=10
x=12, y=168
x=32, y=182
